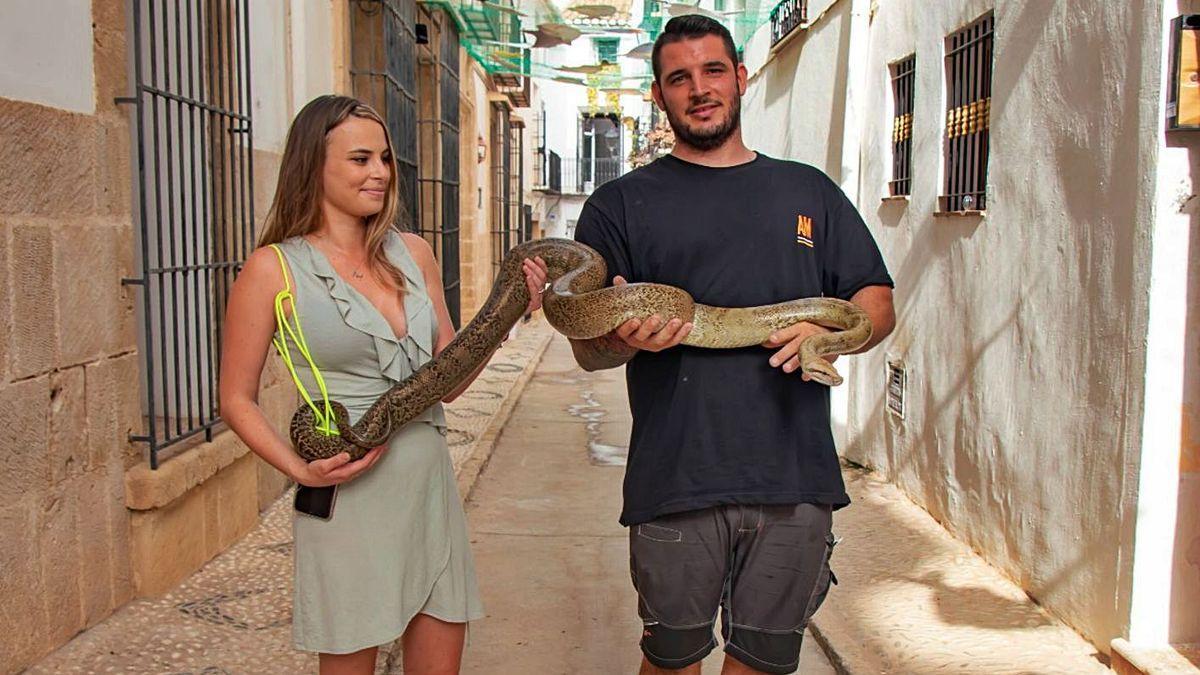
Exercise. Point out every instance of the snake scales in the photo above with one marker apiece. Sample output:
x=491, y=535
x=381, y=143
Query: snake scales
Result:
x=579, y=306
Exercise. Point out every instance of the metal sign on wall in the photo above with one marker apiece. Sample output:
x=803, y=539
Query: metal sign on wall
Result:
x=897, y=379
x=787, y=16
x=1183, y=89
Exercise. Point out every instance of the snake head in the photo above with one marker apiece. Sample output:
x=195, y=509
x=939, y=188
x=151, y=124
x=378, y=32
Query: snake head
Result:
x=820, y=370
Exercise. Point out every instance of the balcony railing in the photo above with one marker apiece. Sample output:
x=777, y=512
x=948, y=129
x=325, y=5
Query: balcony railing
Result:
x=574, y=175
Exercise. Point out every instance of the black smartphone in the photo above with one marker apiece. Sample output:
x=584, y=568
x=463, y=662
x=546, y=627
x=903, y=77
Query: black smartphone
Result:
x=316, y=502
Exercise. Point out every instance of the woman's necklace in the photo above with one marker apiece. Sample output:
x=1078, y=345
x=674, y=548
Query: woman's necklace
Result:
x=357, y=272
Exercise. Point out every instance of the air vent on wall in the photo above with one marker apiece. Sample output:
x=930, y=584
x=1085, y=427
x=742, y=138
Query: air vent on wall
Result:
x=896, y=380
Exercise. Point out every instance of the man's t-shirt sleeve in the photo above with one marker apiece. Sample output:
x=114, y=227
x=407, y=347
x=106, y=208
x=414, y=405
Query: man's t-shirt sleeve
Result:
x=597, y=230
x=852, y=260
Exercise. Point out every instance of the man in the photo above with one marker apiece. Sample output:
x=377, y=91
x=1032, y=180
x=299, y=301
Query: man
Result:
x=732, y=472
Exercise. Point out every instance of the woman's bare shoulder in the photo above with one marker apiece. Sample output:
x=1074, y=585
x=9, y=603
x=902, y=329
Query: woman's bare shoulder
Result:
x=262, y=270
x=420, y=249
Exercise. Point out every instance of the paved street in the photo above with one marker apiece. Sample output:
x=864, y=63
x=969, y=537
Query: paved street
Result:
x=539, y=445
x=553, y=561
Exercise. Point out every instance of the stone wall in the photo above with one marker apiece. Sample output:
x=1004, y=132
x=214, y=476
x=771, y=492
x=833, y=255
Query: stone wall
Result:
x=475, y=193
x=77, y=542
x=68, y=362
x=87, y=525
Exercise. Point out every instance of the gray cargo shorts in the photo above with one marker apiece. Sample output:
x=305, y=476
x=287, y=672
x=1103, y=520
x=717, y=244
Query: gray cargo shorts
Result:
x=766, y=567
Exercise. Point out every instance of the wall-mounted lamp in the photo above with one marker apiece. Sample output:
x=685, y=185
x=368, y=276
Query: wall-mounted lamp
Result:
x=1183, y=95
x=480, y=150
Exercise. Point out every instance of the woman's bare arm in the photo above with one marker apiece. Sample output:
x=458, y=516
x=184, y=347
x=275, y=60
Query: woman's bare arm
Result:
x=249, y=325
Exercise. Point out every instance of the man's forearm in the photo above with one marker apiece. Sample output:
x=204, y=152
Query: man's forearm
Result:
x=606, y=351
x=876, y=301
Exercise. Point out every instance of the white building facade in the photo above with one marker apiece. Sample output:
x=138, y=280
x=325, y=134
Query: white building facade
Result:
x=1011, y=160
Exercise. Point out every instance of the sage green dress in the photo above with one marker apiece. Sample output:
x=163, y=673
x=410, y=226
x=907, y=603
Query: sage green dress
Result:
x=396, y=544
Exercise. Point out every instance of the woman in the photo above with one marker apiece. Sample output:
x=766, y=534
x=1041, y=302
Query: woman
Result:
x=392, y=559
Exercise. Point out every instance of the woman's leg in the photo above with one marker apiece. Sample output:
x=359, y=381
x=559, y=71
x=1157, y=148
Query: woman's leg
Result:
x=432, y=646
x=361, y=662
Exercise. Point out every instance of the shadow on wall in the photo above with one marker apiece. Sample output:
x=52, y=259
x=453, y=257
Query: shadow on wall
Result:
x=935, y=457
x=1185, y=581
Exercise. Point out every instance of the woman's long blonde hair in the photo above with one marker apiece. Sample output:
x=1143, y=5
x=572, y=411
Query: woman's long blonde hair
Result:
x=296, y=208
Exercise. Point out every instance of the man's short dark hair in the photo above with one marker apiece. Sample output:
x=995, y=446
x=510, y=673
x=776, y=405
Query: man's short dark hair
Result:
x=691, y=27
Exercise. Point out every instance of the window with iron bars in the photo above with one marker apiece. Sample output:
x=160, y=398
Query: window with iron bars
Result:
x=418, y=97
x=540, y=175
x=383, y=74
x=516, y=178
x=438, y=143
x=968, y=110
x=902, y=98
x=508, y=167
x=195, y=207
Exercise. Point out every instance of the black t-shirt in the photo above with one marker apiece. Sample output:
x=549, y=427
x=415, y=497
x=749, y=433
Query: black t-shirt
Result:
x=722, y=426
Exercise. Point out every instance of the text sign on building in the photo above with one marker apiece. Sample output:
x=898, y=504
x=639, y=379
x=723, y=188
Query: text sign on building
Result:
x=786, y=18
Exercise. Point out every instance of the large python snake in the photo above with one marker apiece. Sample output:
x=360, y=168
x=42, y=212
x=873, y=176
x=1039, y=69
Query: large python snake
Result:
x=578, y=305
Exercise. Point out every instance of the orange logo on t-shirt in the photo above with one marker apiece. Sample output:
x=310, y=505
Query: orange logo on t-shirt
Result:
x=804, y=231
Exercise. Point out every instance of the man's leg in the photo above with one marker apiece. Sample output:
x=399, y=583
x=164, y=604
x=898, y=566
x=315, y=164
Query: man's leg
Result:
x=678, y=564
x=780, y=577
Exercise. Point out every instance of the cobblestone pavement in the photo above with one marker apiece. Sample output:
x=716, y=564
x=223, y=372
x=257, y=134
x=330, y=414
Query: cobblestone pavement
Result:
x=234, y=614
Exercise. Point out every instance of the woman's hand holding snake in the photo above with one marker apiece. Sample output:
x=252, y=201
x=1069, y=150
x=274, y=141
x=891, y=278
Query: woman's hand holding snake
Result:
x=536, y=273
x=337, y=469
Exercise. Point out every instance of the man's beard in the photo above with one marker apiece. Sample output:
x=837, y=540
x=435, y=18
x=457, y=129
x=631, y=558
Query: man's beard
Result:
x=709, y=139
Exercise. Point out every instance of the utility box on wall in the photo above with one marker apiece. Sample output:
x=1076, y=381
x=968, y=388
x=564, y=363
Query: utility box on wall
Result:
x=1183, y=88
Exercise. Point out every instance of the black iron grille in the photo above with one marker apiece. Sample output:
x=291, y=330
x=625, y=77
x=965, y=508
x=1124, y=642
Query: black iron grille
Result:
x=902, y=94
x=195, y=201
x=968, y=113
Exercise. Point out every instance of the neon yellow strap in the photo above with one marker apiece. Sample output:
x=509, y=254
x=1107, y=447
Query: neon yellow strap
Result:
x=325, y=422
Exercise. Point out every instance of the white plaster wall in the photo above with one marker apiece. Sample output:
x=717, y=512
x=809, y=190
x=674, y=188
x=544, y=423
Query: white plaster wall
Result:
x=46, y=56
x=312, y=50
x=562, y=102
x=1023, y=331
x=561, y=105
x=795, y=105
x=269, y=74
x=561, y=213
x=1171, y=614
x=292, y=62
